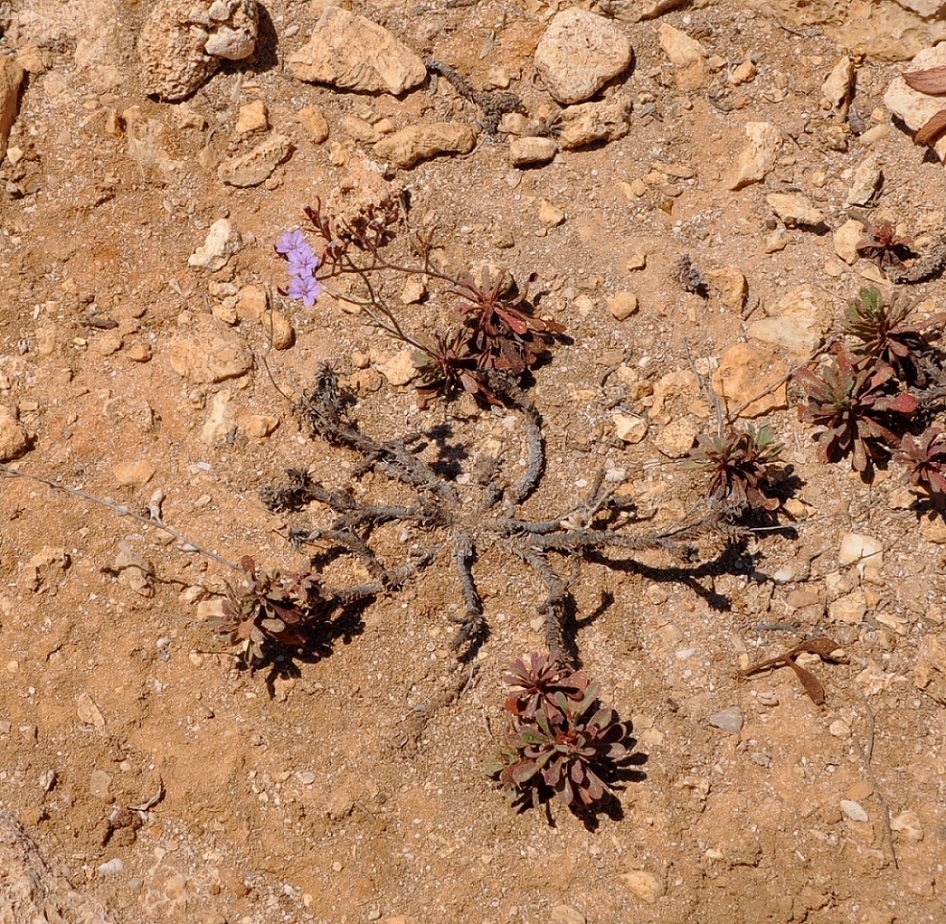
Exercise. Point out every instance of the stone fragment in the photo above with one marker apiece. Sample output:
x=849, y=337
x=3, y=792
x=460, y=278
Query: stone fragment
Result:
x=134, y=474
x=846, y=239
x=730, y=284
x=643, y=885
x=593, y=123
x=745, y=371
x=259, y=426
x=550, y=214
x=795, y=324
x=851, y=608
x=677, y=437
x=14, y=440
x=838, y=86
x=866, y=182
x=795, y=209
x=279, y=329
x=258, y=164
x=253, y=117
x=349, y=51
x=416, y=143
x=915, y=109
x=679, y=47
x=629, y=427
x=221, y=243
x=183, y=41
x=219, y=420
x=139, y=352
x=756, y=160
x=212, y=353
x=929, y=674
x=133, y=571
x=865, y=551
x=252, y=301
x=566, y=914
x=853, y=811
x=399, y=369
x=579, y=53
x=46, y=564
x=11, y=76
x=728, y=720
x=526, y=151
x=743, y=73
x=908, y=826
x=622, y=305
x=359, y=129
x=314, y=123
x=88, y=712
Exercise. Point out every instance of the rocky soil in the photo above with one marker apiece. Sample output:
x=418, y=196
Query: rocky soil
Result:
x=152, y=155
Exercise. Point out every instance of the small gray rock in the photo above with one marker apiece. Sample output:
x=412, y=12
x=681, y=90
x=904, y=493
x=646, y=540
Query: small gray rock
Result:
x=728, y=720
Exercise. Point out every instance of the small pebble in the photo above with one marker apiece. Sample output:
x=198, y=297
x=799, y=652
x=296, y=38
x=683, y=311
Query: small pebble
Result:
x=111, y=867
x=853, y=811
x=728, y=720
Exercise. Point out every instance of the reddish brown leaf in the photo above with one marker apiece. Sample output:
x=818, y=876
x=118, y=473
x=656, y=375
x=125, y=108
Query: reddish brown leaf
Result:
x=932, y=130
x=821, y=646
x=931, y=81
x=810, y=682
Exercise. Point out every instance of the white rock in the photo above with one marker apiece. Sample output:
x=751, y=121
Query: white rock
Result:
x=756, y=160
x=220, y=418
x=853, y=811
x=11, y=76
x=866, y=182
x=908, y=826
x=88, y=712
x=258, y=164
x=579, y=53
x=679, y=47
x=13, y=438
x=592, y=123
x=525, y=151
x=643, y=885
x=865, y=550
x=221, y=243
x=181, y=44
x=416, y=143
x=795, y=209
x=846, y=239
x=850, y=608
x=629, y=427
x=347, y=50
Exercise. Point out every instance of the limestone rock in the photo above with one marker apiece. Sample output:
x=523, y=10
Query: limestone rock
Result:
x=795, y=324
x=11, y=76
x=591, y=123
x=643, y=885
x=212, y=353
x=629, y=428
x=622, y=305
x=795, y=209
x=913, y=107
x=314, y=122
x=399, y=369
x=183, y=41
x=13, y=438
x=930, y=671
x=731, y=286
x=220, y=419
x=526, y=151
x=416, y=143
x=253, y=117
x=255, y=166
x=744, y=371
x=865, y=183
x=679, y=47
x=677, y=437
x=222, y=242
x=838, y=86
x=349, y=51
x=756, y=160
x=579, y=53
x=846, y=239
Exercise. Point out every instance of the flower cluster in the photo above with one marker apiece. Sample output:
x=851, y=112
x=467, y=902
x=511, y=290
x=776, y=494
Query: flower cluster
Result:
x=303, y=263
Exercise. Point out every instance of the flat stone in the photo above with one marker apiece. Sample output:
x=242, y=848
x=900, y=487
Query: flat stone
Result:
x=253, y=117
x=181, y=44
x=677, y=437
x=222, y=242
x=134, y=474
x=416, y=143
x=850, y=609
x=757, y=159
x=645, y=886
x=795, y=324
x=258, y=164
x=14, y=440
x=399, y=369
x=566, y=914
x=795, y=209
x=594, y=123
x=526, y=151
x=680, y=48
x=853, y=811
x=212, y=353
x=579, y=53
x=88, y=713
x=846, y=239
x=11, y=76
x=744, y=371
x=866, y=181
x=349, y=51
x=728, y=720
x=219, y=420
x=629, y=427
x=623, y=305
x=908, y=826
x=915, y=109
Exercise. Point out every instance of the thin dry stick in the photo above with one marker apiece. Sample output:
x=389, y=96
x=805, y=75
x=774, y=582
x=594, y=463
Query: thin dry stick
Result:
x=868, y=754
x=190, y=545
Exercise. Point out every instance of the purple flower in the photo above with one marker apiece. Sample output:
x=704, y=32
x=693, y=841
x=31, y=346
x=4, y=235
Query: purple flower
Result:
x=302, y=261
x=291, y=240
x=305, y=287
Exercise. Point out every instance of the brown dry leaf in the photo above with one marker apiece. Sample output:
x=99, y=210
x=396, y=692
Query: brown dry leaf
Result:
x=821, y=646
x=931, y=81
x=809, y=681
x=932, y=129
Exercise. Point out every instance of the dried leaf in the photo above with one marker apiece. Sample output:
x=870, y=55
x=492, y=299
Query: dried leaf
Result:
x=931, y=81
x=932, y=129
x=809, y=681
x=821, y=646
